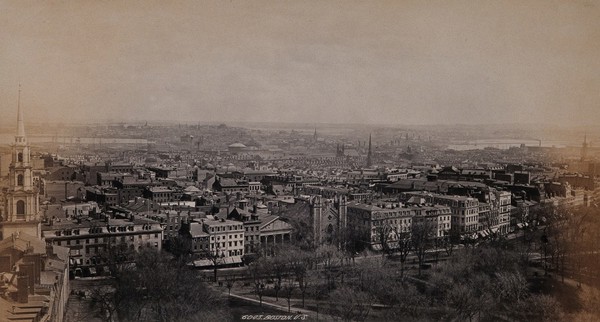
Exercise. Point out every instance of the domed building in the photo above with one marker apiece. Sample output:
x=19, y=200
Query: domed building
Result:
x=236, y=147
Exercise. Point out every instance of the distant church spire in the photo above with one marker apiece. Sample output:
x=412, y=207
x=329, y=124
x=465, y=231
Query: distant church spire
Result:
x=20, y=125
x=369, y=155
x=584, y=148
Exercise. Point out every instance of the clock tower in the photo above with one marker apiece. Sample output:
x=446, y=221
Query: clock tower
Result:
x=21, y=209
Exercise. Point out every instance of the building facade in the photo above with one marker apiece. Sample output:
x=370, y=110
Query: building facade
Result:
x=89, y=241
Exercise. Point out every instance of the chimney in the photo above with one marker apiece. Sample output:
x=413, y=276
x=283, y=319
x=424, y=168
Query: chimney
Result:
x=22, y=289
x=49, y=250
x=36, y=261
x=28, y=270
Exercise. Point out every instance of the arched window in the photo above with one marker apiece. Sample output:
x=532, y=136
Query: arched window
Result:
x=20, y=157
x=19, y=180
x=20, y=208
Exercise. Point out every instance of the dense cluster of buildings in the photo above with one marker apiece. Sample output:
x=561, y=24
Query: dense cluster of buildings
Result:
x=64, y=217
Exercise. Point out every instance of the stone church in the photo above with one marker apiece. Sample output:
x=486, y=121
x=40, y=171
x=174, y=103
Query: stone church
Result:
x=329, y=218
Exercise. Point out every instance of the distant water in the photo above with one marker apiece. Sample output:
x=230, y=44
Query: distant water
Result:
x=9, y=138
x=508, y=143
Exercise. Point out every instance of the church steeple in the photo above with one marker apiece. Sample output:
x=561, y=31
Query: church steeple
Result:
x=20, y=212
x=369, y=155
x=20, y=137
x=584, y=148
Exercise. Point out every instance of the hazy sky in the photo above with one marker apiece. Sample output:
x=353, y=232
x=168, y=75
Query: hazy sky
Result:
x=392, y=62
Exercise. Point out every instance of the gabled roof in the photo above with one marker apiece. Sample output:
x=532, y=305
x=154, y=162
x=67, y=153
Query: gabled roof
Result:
x=265, y=220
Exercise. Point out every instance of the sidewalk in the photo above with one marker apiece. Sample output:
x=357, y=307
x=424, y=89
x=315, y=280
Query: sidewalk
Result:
x=270, y=302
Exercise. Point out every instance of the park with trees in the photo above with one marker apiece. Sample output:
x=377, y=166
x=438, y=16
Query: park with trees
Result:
x=546, y=271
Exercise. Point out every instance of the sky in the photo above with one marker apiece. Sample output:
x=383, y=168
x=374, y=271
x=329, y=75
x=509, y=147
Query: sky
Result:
x=372, y=62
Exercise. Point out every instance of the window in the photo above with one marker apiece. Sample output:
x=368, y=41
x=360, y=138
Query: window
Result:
x=20, y=157
x=20, y=208
x=20, y=180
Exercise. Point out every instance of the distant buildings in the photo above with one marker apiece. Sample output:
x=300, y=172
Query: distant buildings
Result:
x=228, y=185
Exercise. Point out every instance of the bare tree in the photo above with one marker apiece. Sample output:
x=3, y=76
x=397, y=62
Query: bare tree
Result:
x=330, y=259
x=104, y=303
x=404, y=246
x=257, y=272
x=451, y=239
x=422, y=234
x=350, y=304
x=216, y=258
x=157, y=289
x=577, y=228
x=117, y=256
x=289, y=286
x=384, y=235
x=229, y=283
x=299, y=263
x=537, y=308
x=318, y=292
x=354, y=241
x=462, y=299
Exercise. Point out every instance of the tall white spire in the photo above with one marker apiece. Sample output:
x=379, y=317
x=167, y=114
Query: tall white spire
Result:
x=20, y=125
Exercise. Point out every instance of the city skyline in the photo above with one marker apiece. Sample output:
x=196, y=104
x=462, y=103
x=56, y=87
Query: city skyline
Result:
x=385, y=63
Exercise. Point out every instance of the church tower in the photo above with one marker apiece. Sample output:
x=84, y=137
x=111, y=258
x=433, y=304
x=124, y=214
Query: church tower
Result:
x=22, y=200
x=584, y=148
x=369, y=155
x=329, y=220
